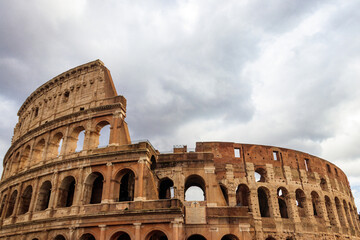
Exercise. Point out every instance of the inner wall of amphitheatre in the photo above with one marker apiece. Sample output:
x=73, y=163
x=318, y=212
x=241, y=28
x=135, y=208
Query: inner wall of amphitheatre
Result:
x=60, y=181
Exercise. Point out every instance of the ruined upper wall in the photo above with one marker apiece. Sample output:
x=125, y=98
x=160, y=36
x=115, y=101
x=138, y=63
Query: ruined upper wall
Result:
x=80, y=88
x=299, y=165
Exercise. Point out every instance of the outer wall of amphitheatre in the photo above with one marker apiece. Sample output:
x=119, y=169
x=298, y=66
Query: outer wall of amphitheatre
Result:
x=60, y=182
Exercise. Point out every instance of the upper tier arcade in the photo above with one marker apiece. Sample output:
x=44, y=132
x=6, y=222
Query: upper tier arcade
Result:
x=80, y=100
x=86, y=86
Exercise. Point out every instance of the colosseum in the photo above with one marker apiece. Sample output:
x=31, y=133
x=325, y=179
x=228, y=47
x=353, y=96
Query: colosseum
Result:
x=59, y=182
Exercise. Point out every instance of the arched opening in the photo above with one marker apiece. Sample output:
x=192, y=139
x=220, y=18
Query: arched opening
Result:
x=93, y=188
x=196, y=237
x=166, y=188
x=329, y=211
x=66, y=192
x=229, y=237
x=80, y=141
x=323, y=184
x=242, y=195
x=87, y=236
x=59, y=237
x=3, y=204
x=24, y=160
x=103, y=128
x=282, y=195
x=75, y=141
x=260, y=175
x=340, y=212
x=225, y=193
x=347, y=213
x=156, y=235
x=55, y=145
x=315, y=199
x=25, y=200
x=120, y=236
x=153, y=163
x=44, y=196
x=38, y=152
x=15, y=163
x=195, y=188
x=263, y=197
x=301, y=202
x=11, y=204
x=270, y=238
x=354, y=218
x=127, y=186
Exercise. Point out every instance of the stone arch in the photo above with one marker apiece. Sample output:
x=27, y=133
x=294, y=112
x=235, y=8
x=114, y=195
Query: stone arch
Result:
x=301, y=202
x=156, y=235
x=59, y=237
x=229, y=237
x=126, y=185
x=282, y=196
x=166, y=188
x=11, y=204
x=38, y=152
x=66, y=192
x=242, y=195
x=347, y=214
x=270, y=238
x=103, y=131
x=87, y=236
x=44, y=196
x=93, y=188
x=15, y=163
x=263, y=197
x=3, y=204
x=24, y=159
x=197, y=184
x=224, y=191
x=196, y=237
x=55, y=145
x=339, y=211
x=73, y=143
x=323, y=184
x=260, y=175
x=329, y=210
x=352, y=214
x=121, y=235
x=316, y=204
x=25, y=200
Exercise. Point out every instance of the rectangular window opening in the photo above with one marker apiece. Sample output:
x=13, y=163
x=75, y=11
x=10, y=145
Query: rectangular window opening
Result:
x=276, y=155
x=237, y=152
x=306, y=164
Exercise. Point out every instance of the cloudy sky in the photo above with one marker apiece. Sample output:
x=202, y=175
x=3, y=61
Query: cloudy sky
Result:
x=283, y=73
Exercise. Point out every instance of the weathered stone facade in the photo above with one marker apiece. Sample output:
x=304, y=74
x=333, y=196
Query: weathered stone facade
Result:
x=128, y=190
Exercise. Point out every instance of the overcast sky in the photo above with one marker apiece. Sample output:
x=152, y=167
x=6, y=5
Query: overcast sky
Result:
x=283, y=73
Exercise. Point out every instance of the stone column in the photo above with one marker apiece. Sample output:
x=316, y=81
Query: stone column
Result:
x=54, y=190
x=72, y=233
x=139, y=183
x=102, y=232
x=175, y=227
x=137, y=231
x=65, y=144
x=34, y=196
x=107, y=185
